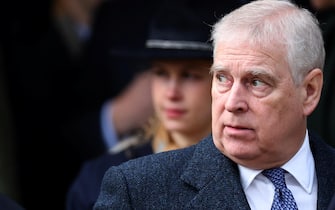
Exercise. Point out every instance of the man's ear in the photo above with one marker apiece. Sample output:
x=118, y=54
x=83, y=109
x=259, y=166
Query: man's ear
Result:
x=312, y=86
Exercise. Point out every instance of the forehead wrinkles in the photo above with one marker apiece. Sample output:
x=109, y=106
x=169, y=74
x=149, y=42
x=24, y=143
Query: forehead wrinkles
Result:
x=244, y=57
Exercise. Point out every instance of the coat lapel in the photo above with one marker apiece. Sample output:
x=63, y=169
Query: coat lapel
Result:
x=218, y=184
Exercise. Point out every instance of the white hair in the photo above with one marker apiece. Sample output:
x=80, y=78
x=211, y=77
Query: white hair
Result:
x=265, y=23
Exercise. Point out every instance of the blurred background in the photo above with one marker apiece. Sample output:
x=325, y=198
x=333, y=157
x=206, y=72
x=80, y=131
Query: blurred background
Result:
x=56, y=72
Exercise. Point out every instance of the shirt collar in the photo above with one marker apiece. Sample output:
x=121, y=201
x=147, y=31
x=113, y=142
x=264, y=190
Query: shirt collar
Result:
x=297, y=166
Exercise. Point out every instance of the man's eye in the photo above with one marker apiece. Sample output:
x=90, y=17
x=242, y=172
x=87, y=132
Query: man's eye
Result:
x=257, y=83
x=222, y=78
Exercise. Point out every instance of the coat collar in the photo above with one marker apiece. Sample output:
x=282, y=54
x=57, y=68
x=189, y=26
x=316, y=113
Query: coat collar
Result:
x=219, y=184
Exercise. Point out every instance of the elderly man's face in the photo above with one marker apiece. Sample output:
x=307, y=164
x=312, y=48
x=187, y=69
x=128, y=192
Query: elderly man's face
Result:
x=258, y=117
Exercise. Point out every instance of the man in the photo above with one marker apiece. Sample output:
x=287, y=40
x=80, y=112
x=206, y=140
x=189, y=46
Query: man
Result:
x=267, y=79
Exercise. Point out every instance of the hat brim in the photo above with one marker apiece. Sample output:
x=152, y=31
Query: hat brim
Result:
x=162, y=54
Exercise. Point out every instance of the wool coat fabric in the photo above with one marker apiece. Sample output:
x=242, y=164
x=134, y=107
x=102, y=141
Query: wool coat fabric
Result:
x=197, y=177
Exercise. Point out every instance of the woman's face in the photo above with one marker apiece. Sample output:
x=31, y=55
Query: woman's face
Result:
x=181, y=94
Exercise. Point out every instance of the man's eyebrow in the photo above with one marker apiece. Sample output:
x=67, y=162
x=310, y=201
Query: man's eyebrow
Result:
x=215, y=68
x=261, y=72
x=258, y=72
x=252, y=71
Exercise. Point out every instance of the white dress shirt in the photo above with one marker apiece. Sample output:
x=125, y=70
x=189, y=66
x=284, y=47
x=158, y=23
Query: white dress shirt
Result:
x=301, y=180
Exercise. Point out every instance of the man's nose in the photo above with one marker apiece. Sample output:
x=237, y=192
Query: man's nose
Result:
x=237, y=98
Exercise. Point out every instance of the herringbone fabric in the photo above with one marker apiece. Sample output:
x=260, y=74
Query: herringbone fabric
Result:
x=283, y=198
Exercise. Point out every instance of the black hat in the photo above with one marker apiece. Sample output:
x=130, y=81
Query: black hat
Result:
x=180, y=29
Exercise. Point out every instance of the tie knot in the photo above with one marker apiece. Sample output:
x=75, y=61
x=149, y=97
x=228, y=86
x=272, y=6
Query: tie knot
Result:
x=276, y=176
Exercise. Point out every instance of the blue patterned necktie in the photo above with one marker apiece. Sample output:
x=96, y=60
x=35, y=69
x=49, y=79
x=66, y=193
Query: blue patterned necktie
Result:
x=283, y=198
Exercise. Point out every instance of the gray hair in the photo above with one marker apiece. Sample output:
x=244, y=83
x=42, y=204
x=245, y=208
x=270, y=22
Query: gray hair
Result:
x=265, y=23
